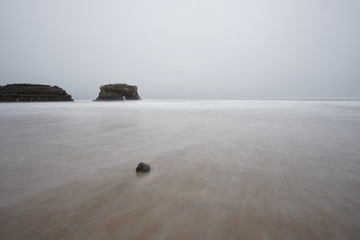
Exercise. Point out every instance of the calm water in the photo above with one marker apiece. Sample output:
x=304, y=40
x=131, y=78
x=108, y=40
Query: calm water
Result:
x=220, y=170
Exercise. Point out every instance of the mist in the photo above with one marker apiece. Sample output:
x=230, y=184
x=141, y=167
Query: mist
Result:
x=185, y=49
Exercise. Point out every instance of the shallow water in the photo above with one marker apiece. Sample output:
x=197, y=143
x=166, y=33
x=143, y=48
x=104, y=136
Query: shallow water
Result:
x=220, y=170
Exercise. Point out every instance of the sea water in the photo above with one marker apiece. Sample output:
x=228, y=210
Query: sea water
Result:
x=219, y=170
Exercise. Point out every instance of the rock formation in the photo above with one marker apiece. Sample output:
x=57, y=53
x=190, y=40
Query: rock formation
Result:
x=32, y=93
x=143, y=167
x=116, y=92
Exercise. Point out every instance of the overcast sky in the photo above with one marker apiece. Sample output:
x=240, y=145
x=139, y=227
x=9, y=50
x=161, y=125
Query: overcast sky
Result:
x=185, y=49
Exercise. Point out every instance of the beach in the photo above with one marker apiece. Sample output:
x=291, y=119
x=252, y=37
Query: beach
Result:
x=220, y=169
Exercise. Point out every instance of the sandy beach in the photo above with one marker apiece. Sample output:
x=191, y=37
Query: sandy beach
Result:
x=219, y=170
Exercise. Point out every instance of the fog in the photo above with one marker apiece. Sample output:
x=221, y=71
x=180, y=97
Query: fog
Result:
x=190, y=49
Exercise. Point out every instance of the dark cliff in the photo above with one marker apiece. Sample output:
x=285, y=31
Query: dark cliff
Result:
x=32, y=93
x=118, y=92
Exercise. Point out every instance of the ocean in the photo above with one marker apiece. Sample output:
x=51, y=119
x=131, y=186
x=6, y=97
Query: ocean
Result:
x=219, y=170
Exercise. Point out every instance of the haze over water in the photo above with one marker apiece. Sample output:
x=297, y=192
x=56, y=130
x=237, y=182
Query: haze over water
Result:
x=220, y=170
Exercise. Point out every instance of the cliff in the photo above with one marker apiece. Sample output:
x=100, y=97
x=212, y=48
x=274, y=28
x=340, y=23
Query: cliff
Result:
x=118, y=92
x=32, y=93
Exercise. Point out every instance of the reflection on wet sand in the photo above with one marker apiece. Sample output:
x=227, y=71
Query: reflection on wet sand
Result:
x=238, y=170
x=142, y=174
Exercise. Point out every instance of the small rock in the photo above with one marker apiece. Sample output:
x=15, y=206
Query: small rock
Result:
x=143, y=167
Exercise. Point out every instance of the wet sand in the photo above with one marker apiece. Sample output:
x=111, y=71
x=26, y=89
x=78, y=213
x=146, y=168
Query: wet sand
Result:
x=220, y=170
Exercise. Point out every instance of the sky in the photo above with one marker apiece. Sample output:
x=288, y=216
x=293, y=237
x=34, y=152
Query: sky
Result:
x=188, y=49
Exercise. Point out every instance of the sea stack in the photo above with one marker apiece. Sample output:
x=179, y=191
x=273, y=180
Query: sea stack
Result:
x=118, y=92
x=25, y=92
